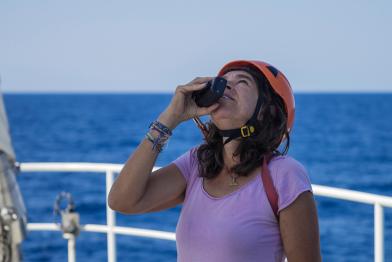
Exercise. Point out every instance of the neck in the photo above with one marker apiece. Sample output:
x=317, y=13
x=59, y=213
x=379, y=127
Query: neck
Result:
x=228, y=151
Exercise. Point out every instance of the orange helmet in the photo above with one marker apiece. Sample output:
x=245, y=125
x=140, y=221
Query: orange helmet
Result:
x=277, y=80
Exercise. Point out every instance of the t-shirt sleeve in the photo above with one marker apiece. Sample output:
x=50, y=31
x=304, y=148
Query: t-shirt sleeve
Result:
x=291, y=179
x=185, y=163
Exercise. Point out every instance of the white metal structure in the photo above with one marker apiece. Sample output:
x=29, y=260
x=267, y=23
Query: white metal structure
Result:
x=378, y=201
x=5, y=138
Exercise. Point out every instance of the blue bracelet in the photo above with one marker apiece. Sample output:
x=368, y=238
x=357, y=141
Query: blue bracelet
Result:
x=161, y=127
x=157, y=143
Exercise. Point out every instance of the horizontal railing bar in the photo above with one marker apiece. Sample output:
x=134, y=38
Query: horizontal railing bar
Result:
x=71, y=167
x=43, y=226
x=140, y=232
x=145, y=233
x=66, y=167
x=339, y=193
x=351, y=195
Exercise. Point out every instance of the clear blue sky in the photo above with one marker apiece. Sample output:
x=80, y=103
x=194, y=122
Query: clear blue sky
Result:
x=153, y=46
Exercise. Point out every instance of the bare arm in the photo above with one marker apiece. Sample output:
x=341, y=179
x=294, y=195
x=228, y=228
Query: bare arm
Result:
x=135, y=190
x=132, y=181
x=299, y=230
x=165, y=189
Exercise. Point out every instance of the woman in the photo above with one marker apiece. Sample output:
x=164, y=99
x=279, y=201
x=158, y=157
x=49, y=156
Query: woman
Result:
x=229, y=213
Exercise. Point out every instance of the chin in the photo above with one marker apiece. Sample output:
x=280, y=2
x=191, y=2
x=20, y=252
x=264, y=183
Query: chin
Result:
x=222, y=112
x=218, y=116
x=223, y=120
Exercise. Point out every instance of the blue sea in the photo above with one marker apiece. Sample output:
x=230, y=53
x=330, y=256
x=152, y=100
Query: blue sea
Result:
x=344, y=140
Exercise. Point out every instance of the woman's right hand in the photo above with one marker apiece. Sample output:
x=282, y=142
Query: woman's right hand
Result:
x=182, y=107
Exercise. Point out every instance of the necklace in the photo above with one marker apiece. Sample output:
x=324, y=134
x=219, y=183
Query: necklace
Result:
x=234, y=177
x=233, y=180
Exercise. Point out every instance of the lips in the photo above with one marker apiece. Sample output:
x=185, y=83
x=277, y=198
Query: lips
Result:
x=227, y=97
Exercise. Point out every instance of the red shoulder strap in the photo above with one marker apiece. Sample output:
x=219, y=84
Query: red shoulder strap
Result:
x=270, y=190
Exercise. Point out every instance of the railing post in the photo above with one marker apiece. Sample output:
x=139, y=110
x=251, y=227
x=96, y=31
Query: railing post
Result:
x=378, y=233
x=110, y=220
x=71, y=247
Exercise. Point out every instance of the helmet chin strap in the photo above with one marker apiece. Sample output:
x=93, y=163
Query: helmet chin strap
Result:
x=247, y=130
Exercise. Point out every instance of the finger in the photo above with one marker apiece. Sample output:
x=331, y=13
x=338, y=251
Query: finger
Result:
x=199, y=80
x=190, y=88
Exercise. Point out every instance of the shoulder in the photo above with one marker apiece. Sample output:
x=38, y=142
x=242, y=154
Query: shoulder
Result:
x=290, y=179
x=289, y=174
x=286, y=163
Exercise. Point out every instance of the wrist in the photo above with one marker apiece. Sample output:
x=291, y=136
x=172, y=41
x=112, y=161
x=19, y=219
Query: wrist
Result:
x=168, y=120
x=158, y=135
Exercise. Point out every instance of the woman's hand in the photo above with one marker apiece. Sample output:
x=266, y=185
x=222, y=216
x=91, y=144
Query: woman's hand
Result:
x=182, y=107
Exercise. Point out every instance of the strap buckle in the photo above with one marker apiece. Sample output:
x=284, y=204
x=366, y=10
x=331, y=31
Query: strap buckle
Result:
x=246, y=131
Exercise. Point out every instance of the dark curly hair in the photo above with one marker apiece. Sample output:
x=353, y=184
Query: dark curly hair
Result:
x=271, y=128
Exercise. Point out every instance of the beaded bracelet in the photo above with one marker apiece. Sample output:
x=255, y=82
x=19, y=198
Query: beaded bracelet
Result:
x=161, y=127
x=157, y=143
x=164, y=134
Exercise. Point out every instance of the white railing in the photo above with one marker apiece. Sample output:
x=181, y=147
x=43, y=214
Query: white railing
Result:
x=111, y=229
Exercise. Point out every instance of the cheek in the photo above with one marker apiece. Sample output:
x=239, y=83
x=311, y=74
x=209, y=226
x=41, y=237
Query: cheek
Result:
x=244, y=110
x=249, y=103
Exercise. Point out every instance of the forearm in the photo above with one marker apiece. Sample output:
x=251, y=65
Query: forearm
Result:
x=131, y=183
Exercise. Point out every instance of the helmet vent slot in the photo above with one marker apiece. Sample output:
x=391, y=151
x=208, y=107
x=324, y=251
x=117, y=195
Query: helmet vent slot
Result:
x=273, y=70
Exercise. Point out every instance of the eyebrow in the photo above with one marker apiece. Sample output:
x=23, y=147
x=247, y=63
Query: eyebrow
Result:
x=246, y=77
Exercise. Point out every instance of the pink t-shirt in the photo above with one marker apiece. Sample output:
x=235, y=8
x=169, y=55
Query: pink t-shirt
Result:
x=240, y=226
